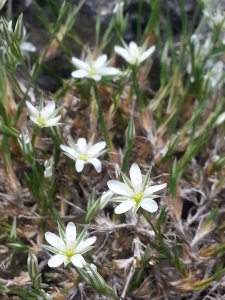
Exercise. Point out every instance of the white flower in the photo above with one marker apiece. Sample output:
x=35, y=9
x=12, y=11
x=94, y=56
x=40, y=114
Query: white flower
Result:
x=215, y=19
x=199, y=52
x=44, y=116
x=93, y=69
x=48, y=167
x=133, y=54
x=68, y=247
x=135, y=192
x=84, y=153
x=118, y=7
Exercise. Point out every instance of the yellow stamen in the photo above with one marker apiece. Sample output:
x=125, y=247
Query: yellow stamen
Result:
x=138, y=197
x=41, y=121
x=83, y=157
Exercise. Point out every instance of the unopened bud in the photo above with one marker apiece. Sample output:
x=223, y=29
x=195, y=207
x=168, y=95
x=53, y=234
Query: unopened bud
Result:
x=24, y=142
x=130, y=132
x=6, y=28
x=48, y=167
x=19, y=29
x=7, y=57
x=32, y=264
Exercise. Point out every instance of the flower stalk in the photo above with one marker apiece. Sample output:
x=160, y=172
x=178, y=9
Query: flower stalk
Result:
x=101, y=117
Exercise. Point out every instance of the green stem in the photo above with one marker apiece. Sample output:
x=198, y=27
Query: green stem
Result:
x=101, y=117
x=137, y=90
x=35, y=133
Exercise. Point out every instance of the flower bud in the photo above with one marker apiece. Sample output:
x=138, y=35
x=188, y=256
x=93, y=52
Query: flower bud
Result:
x=33, y=272
x=24, y=142
x=7, y=31
x=130, y=132
x=19, y=29
x=48, y=167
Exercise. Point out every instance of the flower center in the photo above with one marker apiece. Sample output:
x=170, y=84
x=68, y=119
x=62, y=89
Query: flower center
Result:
x=41, y=121
x=69, y=252
x=83, y=157
x=138, y=196
x=92, y=71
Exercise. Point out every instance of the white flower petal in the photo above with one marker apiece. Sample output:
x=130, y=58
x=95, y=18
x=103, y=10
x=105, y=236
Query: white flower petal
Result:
x=96, y=163
x=155, y=188
x=124, y=206
x=100, y=61
x=56, y=260
x=33, y=119
x=122, y=52
x=83, y=246
x=79, y=165
x=69, y=152
x=52, y=122
x=134, y=50
x=136, y=176
x=149, y=205
x=34, y=112
x=55, y=241
x=96, y=77
x=95, y=149
x=119, y=188
x=78, y=261
x=110, y=71
x=71, y=233
x=82, y=145
x=28, y=47
x=80, y=74
x=147, y=53
x=48, y=110
x=80, y=64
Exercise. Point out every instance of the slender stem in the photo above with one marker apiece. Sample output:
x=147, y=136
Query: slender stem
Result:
x=126, y=158
x=137, y=90
x=101, y=117
x=35, y=133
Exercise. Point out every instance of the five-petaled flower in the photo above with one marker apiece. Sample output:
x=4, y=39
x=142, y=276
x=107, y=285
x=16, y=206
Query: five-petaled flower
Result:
x=93, y=69
x=135, y=192
x=44, y=116
x=83, y=152
x=68, y=247
x=133, y=54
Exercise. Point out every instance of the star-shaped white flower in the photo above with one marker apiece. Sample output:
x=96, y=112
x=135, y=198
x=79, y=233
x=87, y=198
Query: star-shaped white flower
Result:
x=135, y=192
x=133, y=54
x=44, y=116
x=68, y=247
x=83, y=153
x=93, y=69
x=215, y=19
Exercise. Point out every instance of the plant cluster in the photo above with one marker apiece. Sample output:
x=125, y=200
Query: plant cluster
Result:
x=109, y=121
